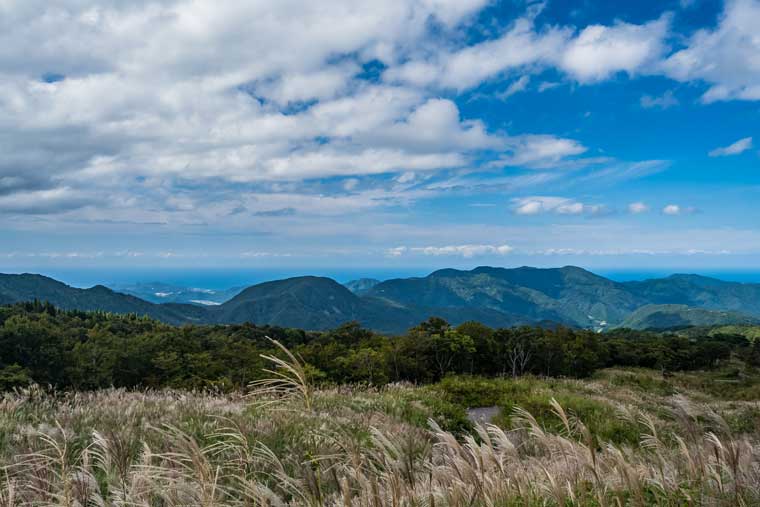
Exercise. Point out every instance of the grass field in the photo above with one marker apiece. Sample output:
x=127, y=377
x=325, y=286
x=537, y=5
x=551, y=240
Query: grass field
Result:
x=624, y=437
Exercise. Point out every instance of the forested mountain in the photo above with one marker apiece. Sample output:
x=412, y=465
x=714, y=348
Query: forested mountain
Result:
x=28, y=287
x=497, y=297
x=311, y=302
x=566, y=295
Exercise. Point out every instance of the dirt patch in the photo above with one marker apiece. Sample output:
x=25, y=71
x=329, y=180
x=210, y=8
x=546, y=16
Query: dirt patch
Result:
x=482, y=415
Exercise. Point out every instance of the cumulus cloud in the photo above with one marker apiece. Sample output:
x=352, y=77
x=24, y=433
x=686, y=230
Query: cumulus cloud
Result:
x=595, y=53
x=124, y=94
x=466, y=251
x=44, y=202
x=541, y=151
x=601, y=51
x=128, y=113
x=725, y=57
x=538, y=205
x=676, y=209
x=521, y=45
x=736, y=148
x=397, y=251
x=637, y=208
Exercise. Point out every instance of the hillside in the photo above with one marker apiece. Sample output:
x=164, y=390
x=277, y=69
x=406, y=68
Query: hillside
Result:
x=311, y=302
x=28, y=287
x=699, y=292
x=568, y=295
x=675, y=316
x=498, y=297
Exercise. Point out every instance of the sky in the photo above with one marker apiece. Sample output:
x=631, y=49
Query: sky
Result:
x=399, y=135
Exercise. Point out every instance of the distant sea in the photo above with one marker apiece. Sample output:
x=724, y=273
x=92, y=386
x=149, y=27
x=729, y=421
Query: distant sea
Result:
x=225, y=278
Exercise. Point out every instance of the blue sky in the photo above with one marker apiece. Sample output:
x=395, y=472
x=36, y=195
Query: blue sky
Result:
x=395, y=135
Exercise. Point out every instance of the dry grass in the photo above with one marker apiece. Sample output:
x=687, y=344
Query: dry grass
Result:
x=356, y=447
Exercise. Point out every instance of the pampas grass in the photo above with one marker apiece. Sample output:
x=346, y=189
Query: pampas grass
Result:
x=349, y=447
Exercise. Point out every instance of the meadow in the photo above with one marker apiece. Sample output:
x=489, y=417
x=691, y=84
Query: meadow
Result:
x=625, y=436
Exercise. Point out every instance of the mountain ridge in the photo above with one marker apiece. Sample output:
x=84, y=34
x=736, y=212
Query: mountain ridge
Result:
x=495, y=296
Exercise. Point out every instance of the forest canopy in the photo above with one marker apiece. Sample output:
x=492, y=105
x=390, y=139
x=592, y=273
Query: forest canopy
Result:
x=90, y=350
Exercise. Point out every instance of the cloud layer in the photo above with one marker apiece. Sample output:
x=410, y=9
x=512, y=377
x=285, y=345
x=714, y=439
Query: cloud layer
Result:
x=242, y=116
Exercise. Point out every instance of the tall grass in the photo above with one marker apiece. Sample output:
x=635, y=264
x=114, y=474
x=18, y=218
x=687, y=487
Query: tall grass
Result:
x=351, y=447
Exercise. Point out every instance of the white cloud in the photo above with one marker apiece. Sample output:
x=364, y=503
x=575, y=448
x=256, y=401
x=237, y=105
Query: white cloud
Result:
x=596, y=53
x=467, y=251
x=547, y=85
x=664, y=101
x=736, y=148
x=51, y=201
x=538, y=205
x=141, y=91
x=601, y=51
x=637, y=208
x=521, y=45
x=672, y=209
x=516, y=86
x=541, y=151
x=396, y=251
x=725, y=57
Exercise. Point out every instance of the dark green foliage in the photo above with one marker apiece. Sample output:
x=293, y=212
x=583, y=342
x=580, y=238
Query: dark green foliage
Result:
x=88, y=350
x=753, y=356
x=535, y=395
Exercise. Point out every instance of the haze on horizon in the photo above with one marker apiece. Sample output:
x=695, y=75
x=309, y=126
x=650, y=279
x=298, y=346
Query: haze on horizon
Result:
x=412, y=134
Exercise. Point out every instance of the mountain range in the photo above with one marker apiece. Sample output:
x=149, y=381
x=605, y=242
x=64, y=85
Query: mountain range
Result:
x=497, y=297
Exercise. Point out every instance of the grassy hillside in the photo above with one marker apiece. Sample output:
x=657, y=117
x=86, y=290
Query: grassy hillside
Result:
x=750, y=332
x=625, y=437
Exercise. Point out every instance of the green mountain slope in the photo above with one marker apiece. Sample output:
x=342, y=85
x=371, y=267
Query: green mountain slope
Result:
x=28, y=287
x=311, y=302
x=566, y=295
x=497, y=297
x=675, y=316
x=700, y=292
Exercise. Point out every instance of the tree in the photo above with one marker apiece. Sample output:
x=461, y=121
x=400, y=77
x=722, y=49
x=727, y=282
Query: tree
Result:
x=483, y=359
x=446, y=345
x=753, y=358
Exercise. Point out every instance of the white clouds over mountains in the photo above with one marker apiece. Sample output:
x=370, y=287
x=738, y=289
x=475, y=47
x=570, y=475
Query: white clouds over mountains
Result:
x=179, y=108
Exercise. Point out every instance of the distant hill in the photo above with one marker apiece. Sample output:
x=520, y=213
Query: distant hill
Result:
x=497, y=297
x=677, y=316
x=28, y=287
x=311, y=302
x=699, y=292
x=362, y=285
x=568, y=295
